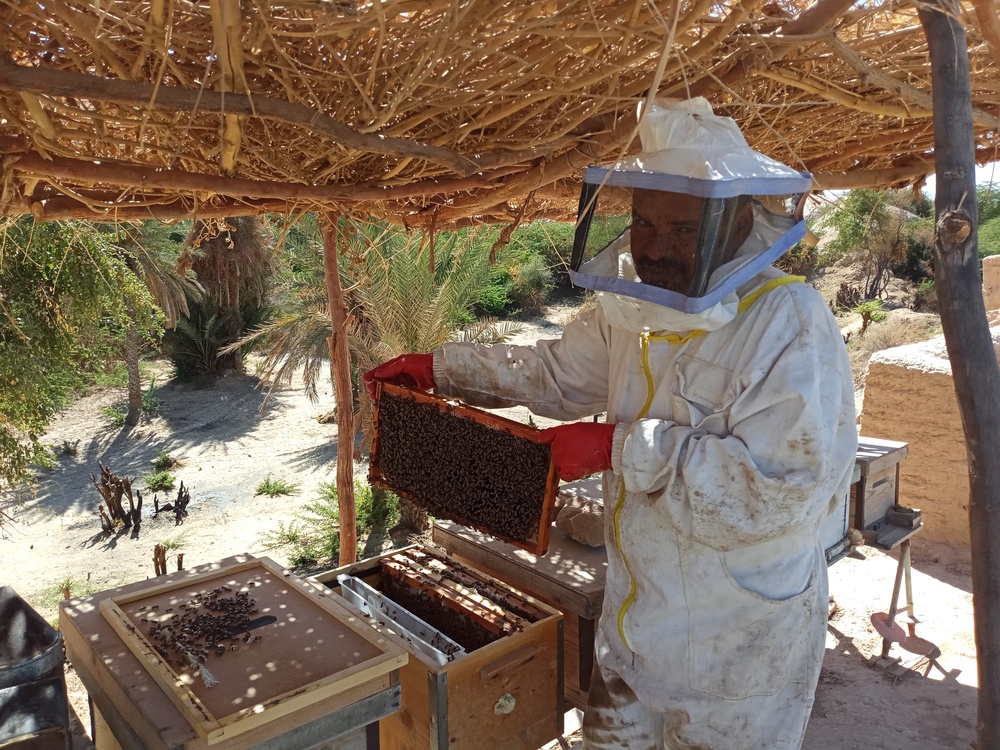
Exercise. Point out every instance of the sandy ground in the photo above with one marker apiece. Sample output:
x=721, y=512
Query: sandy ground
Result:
x=227, y=447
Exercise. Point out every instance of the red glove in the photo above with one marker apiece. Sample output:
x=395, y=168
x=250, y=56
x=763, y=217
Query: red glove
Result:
x=409, y=371
x=580, y=448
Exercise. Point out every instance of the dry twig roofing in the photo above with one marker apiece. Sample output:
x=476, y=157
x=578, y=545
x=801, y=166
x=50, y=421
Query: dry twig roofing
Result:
x=443, y=112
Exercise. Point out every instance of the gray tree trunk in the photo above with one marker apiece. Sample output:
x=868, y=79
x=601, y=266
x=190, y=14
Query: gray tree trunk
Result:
x=132, y=364
x=966, y=330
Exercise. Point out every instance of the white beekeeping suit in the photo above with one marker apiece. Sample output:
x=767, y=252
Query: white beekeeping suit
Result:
x=735, y=431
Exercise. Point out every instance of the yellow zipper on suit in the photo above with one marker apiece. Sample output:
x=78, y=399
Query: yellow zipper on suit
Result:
x=671, y=338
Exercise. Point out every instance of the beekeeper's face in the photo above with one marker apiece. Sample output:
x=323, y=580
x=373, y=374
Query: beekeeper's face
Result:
x=664, y=237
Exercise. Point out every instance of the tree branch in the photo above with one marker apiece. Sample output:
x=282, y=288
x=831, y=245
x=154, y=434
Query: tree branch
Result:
x=19, y=78
x=127, y=175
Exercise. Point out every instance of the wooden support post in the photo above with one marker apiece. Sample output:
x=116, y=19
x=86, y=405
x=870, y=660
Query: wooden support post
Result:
x=967, y=335
x=340, y=371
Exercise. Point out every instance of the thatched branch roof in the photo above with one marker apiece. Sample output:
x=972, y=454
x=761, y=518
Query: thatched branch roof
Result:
x=451, y=109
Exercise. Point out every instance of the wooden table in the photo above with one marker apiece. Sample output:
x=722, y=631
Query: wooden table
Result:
x=570, y=578
x=129, y=710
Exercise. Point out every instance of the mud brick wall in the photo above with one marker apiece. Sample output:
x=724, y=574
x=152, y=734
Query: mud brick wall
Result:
x=910, y=396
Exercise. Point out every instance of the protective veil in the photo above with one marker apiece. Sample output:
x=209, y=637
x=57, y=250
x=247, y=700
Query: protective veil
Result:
x=689, y=150
x=731, y=442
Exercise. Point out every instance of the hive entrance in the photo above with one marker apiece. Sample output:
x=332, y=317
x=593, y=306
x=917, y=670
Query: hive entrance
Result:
x=465, y=465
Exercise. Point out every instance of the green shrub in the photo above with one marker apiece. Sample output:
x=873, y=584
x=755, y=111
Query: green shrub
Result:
x=925, y=298
x=173, y=543
x=550, y=240
x=150, y=403
x=115, y=415
x=532, y=284
x=495, y=298
x=314, y=535
x=989, y=238
x=275, y=487
x=376, y=509
x=160, y=480
x=163, y=461
x=305, y=550
x=871, y=312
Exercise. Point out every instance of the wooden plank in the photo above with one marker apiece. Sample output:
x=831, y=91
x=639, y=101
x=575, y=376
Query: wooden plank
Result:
x=875, y=454
x=206, y=708
x=483, y=616
x=576, y=666
x=524, y=664
x=107, y=667
x=194, y=710
x=104, y=738
x=409, y=728
x=119, y=682
x=525, y=678
x=571, y=576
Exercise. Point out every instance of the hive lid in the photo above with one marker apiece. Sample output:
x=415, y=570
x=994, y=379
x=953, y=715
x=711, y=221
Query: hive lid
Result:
x=465, y=465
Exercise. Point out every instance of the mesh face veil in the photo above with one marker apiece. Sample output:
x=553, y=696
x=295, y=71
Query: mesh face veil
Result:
x=708, y=214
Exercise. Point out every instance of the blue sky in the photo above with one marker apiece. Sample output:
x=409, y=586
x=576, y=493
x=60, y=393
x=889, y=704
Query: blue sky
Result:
x=988, y=173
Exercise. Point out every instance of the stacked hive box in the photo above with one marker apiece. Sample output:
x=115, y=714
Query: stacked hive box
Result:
x=505, y=690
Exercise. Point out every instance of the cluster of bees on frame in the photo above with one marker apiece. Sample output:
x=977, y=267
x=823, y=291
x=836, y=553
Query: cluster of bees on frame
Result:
x=211, y=623
x=459, y=469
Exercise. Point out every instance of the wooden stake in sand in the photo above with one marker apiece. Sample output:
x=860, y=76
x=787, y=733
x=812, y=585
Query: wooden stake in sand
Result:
x=340, y=370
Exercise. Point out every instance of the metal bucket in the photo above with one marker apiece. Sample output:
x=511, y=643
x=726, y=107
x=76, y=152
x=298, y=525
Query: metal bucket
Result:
x=33, y=701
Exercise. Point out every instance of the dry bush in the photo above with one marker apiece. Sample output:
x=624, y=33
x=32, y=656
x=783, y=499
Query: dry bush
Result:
x=896, y=330
x=848, y=297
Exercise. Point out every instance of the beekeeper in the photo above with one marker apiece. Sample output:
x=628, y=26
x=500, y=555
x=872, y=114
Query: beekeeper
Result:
x=730, y=432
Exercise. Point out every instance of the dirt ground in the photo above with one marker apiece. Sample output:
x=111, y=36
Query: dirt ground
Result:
x=228, y=446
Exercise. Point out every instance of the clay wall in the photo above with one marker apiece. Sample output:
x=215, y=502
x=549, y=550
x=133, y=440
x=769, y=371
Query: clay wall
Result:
x=910, y=396
x=991, y=282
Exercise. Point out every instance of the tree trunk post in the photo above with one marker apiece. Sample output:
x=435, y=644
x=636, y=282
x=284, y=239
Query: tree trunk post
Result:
x=132, y=365
x=340, y=371
x=132, y=349
x=966, y=330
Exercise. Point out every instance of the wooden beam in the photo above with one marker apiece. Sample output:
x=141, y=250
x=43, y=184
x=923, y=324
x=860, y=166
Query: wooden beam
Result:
x=820, y=15
x=900, y=88
x=127, y=175
x=569, y=165
x=798, y=80
x=871, y=178
x=18, y=78
x=967, y=335
x=340, y=371
x=39, y=115
x=64, y=208
x=817, y=16
x=227, y=25
x=868, y=143
x=989, y=25
x=896, y=176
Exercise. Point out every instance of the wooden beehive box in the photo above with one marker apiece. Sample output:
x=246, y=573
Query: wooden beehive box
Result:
x=570, y=579
x=877, y=489
x=301, y=647
x=466, y=465
x=504, y=694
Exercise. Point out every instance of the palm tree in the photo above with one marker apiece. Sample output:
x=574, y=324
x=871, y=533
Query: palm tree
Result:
x=147, y=251
x=397, y=302
x=232, y=260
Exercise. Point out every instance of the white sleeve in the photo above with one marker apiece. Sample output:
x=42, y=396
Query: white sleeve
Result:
x=792, y=437
x=565, y=378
